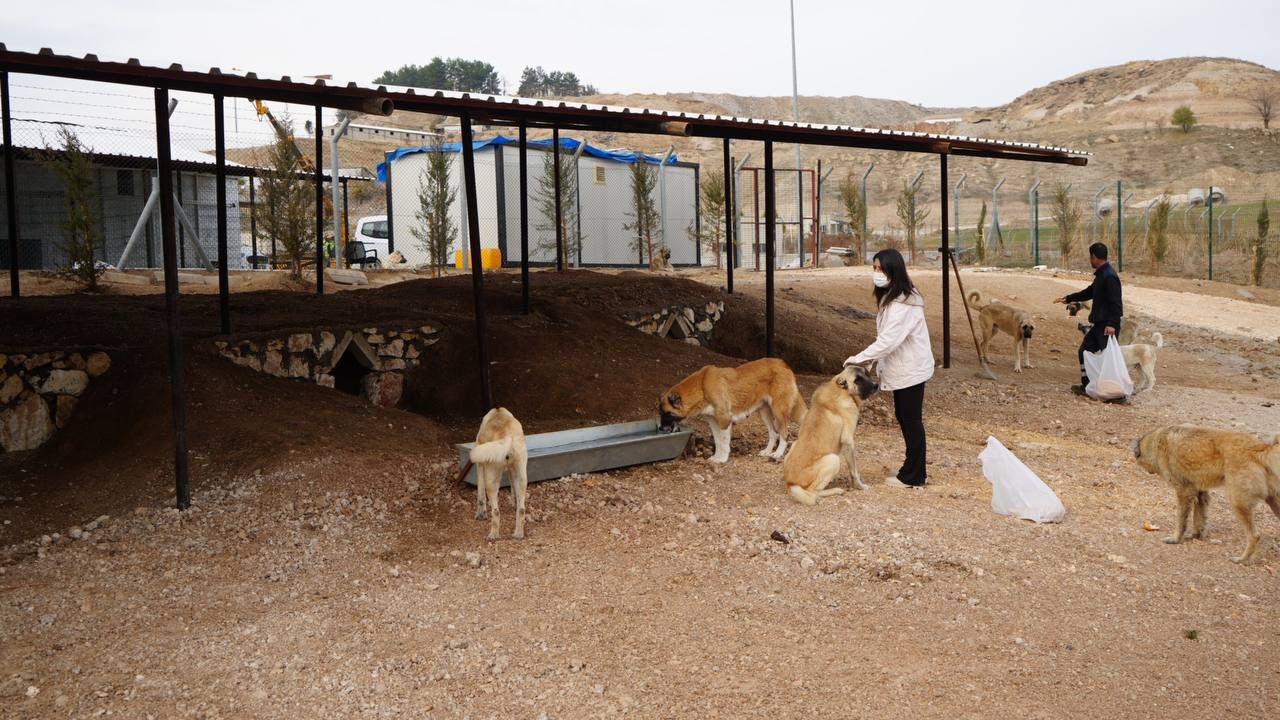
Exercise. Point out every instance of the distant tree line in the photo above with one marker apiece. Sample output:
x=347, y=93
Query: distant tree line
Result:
x=455, y=74
x=536, y=82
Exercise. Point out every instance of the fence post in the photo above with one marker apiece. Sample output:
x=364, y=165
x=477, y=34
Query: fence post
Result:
x=862, y=246
x=1209, y=202
x=1120, y=225
x=253, y=220
x=1037, y=221
x=555, y=180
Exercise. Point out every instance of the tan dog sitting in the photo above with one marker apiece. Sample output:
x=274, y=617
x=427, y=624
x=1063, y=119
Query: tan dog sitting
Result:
x=826, y=437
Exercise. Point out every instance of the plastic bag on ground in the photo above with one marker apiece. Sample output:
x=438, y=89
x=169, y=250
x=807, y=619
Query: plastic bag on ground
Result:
x=1108, y=375
x=1015, y=489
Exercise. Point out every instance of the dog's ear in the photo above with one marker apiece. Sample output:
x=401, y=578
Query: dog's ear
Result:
x=674, y=400
x=842, y=382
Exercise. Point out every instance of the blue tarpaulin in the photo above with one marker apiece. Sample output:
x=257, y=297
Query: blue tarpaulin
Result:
x=566, y=144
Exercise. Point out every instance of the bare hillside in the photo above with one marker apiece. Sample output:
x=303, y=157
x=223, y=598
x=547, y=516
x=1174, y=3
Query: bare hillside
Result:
x=1144, y=94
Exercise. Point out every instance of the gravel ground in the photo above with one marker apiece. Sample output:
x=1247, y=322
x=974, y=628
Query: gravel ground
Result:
x=683, y=588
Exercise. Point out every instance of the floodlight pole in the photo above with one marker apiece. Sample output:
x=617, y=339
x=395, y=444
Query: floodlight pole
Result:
x=477, y=271
x=770, y=235
x=795, y=108
x=10, y=194
x=177, y=387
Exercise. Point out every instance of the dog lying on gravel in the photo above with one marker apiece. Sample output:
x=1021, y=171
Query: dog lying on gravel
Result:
x=500, y=449
x=1194, y=460
x=826, y=437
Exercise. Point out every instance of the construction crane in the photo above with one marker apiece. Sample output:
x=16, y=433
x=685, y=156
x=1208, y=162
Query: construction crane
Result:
x=304, y=162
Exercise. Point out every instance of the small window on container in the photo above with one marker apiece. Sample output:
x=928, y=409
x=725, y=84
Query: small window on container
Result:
x=599, y=174
x=124, y=183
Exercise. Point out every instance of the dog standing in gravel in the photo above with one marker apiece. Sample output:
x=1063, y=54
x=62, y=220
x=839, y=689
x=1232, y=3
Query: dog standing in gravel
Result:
x=1194, y=460
x=826, y=437
x=500, y=449
x=996, y=317
x=1143, y=355
x=730, y=395
x=1128, y=329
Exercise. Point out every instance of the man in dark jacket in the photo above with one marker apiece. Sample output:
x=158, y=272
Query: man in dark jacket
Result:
x=1107, y=312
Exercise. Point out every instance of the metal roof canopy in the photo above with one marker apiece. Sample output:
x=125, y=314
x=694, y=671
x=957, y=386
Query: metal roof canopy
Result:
x=491, y=109
x=501, y=110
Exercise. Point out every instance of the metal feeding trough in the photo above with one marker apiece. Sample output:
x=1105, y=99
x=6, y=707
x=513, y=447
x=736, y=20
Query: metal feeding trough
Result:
x=592, y=449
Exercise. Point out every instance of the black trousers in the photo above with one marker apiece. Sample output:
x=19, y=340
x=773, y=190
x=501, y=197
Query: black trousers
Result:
x=1094, y=341
x=908, y=408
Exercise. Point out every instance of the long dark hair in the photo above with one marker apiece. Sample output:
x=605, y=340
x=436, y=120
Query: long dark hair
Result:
x=893, y=266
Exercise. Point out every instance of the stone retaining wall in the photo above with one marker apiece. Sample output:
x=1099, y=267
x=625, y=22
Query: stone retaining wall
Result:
x=692, y=325
x=312, y=357
x=39, y=393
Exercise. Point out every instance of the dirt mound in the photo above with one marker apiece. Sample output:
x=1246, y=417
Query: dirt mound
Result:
x=573, y=361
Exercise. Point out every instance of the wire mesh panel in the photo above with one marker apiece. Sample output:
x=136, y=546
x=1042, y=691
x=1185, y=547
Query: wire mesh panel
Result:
x=794, y=200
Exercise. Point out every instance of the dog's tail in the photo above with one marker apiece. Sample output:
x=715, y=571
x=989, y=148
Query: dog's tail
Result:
x=491, y=452
x=799, y=409
x=975, y=298
x=802, y=496
x=1158, y=339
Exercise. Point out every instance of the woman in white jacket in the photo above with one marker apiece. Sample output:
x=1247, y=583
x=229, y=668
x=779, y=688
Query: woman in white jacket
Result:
x=903, y=357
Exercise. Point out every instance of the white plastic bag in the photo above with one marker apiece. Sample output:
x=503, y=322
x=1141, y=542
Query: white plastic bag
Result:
x=1108, y=375
x=1015, y=489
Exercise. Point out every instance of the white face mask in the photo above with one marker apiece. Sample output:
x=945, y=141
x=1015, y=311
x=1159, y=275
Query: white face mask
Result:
x=879, y=279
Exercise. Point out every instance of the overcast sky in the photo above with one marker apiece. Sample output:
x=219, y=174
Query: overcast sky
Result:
x=978, y=52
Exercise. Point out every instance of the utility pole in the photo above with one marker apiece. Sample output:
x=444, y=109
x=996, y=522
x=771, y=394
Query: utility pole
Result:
x=795, y=107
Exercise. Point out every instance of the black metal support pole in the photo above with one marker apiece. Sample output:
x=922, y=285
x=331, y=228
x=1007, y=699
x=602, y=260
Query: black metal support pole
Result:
x=477, y=272
x=220, y=193
x=391, y=232
x=319, y=204
x=182, y=232
x=728, y=216
x=10, y=193
x=770, y=237
x=555, y=173
x=524, y=217
x=946, y=277
x=177, y=387
x=253, y=219
x=271, y=208
x=346, y=212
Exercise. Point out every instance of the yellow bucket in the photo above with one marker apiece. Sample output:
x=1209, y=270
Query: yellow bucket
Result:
x=489, y=258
